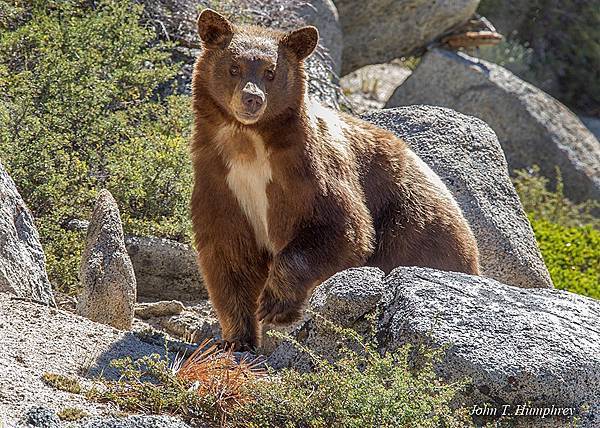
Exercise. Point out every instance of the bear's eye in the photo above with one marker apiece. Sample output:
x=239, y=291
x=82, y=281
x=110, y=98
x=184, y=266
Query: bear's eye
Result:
x=269, y=74
x=234, y=70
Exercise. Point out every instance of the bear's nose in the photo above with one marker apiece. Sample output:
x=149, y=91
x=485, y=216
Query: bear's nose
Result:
x=252, y=97
x=252, y=102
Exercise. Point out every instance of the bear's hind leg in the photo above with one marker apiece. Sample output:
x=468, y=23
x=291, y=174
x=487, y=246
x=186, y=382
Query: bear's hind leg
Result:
x=442, y=241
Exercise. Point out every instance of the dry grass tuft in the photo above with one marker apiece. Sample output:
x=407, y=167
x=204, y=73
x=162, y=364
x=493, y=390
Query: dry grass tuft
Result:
x=62, y=382
x=216, y=372
x=209, y=386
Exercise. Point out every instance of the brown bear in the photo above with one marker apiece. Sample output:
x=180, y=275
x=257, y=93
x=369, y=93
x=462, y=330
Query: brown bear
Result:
x=288, y=192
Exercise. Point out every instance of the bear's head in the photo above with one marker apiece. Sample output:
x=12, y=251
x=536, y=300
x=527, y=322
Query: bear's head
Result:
x=253, y=74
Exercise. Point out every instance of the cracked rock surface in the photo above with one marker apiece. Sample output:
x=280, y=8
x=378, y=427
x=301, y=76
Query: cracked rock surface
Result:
x=537, y=346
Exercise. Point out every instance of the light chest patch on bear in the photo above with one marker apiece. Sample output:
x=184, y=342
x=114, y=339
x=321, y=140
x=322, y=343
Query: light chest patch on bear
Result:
x=249, y=173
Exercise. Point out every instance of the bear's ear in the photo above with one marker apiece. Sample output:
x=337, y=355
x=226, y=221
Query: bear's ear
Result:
x=301, y=42
x=214, y=29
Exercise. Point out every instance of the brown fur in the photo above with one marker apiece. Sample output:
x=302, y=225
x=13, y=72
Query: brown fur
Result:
x=341, y=192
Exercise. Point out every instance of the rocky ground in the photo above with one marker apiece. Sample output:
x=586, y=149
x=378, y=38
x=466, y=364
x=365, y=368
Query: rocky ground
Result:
x=38, y=339
x=534, y=346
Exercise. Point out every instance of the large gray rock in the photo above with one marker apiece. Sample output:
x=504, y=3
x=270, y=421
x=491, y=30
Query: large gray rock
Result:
x=593, y=124
x=377, y=31
x=537, y=346
x=107, y=278
x=175, y=20
x=22, y=260
x=324, y=15
x=466, y=155
x=43, y=417
x=138, y=421
x=35, y=339
x=533, y=128
x=371, y=86
x=165, y=269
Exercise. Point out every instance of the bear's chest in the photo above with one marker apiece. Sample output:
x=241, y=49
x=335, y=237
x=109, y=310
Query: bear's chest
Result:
x=248, y=176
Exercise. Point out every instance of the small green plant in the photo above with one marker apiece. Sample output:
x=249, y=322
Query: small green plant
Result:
x=572, y=255
x=509, y=54
x=360, y=388
x=72, y=414
x=62, y=382
x=207, y=387
x=411, y=62
x=543, y=202
x=149, y=386
x=567, y=233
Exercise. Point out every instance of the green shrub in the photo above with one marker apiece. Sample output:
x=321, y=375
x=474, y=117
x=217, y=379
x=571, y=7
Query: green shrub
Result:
x=72, y=414
x=61, y=382
x=572, y=255
x=543, y=202
x=511, y=55
x=148, y=385
x=361, y=389
x=80, y=110
x=567, y=233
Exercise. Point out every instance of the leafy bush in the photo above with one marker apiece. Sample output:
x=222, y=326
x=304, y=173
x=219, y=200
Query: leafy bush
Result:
x=511, y=55
x=567, y=233
x=542, y=202
x=72, y=414
x=148, y=385
x=361, y=389
x=572, y=255
x=80, y=111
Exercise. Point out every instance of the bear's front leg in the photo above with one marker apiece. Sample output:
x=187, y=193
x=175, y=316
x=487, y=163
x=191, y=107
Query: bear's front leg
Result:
x=234, y=281
x=315, y=254
x=280, y=302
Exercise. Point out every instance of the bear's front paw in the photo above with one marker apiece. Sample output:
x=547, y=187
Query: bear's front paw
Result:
x=275, y=310
x=237, y=345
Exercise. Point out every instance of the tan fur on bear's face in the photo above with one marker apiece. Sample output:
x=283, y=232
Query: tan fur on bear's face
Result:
x=255, y=74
